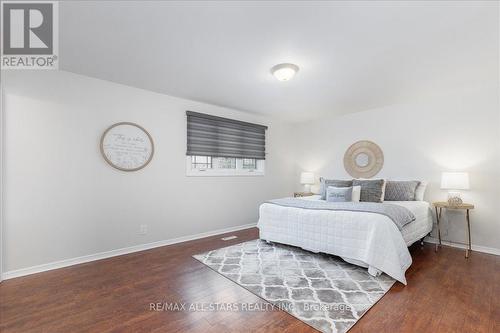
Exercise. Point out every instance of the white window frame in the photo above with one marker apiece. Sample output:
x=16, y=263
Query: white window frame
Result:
x=238, y=172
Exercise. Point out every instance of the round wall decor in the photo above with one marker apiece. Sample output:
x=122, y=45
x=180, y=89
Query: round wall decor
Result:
x=127, y=146
x=363, y=159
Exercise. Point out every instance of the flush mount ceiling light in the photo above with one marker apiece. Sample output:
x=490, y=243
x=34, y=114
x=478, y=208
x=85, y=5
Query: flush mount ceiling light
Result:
x=284, y=72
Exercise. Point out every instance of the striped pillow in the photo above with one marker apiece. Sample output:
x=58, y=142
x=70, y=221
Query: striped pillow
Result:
x=372, y=190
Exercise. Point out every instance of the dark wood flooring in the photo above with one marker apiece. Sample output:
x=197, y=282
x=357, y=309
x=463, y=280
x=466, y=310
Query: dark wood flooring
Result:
x=445, y=293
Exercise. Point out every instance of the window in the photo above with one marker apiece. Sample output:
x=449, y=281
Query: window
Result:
x=249, y=163
x=223, y=166
x=225, y=162
x=224, y=147
x=201, y=162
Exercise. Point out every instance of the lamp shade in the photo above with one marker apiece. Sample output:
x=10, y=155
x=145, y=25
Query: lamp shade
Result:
x=455, y=180
x=307, y=178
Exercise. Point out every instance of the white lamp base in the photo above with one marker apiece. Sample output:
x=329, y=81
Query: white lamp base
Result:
x=454, y=198
x=307, y=188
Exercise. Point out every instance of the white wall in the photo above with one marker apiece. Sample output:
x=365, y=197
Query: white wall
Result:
x=62, y=199
x=455, y=130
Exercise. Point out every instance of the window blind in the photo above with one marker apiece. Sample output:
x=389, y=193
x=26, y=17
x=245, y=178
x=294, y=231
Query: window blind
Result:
x=209, y=135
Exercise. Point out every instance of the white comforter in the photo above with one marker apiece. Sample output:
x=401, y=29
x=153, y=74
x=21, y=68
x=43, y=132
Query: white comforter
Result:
x=366, y=239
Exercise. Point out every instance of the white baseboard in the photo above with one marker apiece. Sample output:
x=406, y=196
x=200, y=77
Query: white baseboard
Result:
x=117, y=252
x=484, y=249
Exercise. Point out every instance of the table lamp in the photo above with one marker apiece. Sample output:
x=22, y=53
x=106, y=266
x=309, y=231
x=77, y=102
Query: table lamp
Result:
x=453, y=181
x=307, y=179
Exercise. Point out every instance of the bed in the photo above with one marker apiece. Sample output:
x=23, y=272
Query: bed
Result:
x=366, y=239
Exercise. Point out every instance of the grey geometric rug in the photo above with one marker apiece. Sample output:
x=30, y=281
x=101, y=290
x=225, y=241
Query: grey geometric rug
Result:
x=321, y=290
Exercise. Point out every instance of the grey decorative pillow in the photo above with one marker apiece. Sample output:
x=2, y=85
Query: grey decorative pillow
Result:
x=372, y=190
x=401, y=190
x=324, y=183
x=338, y=194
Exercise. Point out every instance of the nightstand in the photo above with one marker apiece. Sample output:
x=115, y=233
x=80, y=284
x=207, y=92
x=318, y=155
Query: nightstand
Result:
x=440, y=205
x=302, y=194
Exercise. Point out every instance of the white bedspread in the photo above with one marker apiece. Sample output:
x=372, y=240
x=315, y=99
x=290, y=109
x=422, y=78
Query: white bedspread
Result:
x=366, y=239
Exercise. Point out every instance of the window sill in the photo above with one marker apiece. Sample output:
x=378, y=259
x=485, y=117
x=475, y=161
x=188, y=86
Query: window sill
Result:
x=223, y=173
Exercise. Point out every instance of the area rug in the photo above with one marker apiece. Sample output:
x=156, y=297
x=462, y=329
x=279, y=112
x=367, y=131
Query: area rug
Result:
x=321, y=290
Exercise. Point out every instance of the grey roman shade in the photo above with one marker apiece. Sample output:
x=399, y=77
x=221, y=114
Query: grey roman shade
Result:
x=221, y=137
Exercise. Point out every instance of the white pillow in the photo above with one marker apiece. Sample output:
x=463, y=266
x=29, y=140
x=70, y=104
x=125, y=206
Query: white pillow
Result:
x=356, y=193
x=383, y=190
x=420, y=191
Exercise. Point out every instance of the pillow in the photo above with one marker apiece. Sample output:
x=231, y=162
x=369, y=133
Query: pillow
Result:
x=420, y=191
x=324, y=183
x=372, y=190
x=356, y=193
x=400, y=190
x=338, y=194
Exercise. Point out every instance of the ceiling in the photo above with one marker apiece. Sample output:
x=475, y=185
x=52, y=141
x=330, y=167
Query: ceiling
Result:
x=352, y=56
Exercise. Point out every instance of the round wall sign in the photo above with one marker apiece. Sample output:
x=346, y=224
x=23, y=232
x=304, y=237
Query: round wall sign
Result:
x=363, y=159
x=127, y=146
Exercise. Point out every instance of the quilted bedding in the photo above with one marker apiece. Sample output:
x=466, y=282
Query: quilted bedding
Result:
x=367, y=239
x=401, y=216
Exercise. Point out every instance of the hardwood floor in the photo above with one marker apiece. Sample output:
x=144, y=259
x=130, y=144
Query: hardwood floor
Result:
x=445, y=293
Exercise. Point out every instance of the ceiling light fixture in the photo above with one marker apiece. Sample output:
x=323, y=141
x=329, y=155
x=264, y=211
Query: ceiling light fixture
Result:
x=284, y=72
